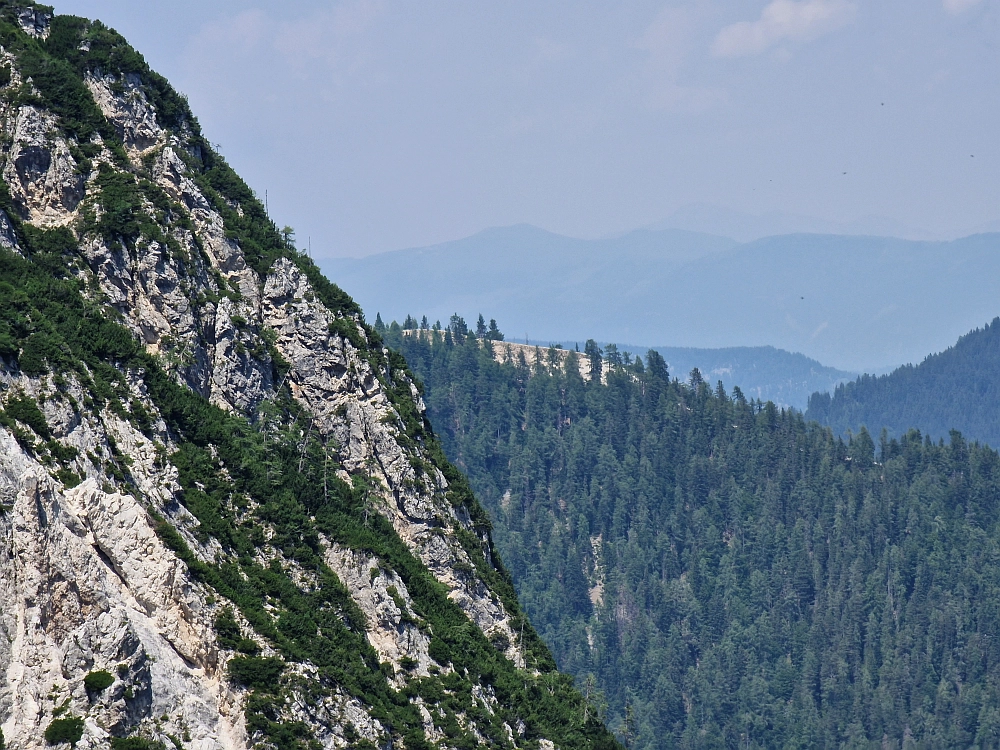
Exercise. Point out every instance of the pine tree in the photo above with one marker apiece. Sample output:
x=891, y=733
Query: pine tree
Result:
x=481, y=327
x=593, y=352
x=458, y=326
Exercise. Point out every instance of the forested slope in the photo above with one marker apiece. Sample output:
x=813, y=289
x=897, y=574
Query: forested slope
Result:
x=727, y=573
x=958, y=388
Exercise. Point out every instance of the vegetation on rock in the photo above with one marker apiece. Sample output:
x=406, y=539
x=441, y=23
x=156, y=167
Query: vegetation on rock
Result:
x=98, y=680
x=66, y=730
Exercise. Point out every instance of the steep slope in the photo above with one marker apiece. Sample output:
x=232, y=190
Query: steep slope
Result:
x=224, y=520
x=726, y=573
x=957, y=389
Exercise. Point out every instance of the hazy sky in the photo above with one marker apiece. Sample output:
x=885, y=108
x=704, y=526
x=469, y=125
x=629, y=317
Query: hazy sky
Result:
x=378, y=125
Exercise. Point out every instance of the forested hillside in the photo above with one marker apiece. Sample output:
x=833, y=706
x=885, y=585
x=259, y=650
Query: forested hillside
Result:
x=956, y=389
x=726, y=573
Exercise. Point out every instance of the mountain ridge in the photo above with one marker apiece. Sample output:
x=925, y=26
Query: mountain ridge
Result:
x=224, y=519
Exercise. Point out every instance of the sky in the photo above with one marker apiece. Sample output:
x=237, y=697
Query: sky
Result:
x=376, y=125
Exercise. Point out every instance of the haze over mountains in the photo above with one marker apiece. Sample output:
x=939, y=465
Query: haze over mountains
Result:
x=761, y=372
x=857, y=303
x=746, y=227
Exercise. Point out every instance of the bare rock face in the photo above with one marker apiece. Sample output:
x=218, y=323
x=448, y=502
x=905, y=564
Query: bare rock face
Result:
x=129, y=111
x=88, y=586
x=34, y=22
x=41, y=172
x=8, y=237
x=331, y=378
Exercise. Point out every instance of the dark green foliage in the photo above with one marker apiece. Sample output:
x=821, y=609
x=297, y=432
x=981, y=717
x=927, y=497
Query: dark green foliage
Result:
x=227, y=630
x=50, y=248
x=25, y=409
x=438, y=650
x=97, y=681
x=256, y=673
x=121, y=202
x=68, y=729
x=957, y=389
x=109, y=53
x=60, y=88
x=762, y=582
x=68, y=477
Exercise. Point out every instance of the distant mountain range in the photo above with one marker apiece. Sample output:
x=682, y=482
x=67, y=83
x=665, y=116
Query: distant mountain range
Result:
x=956, y=389
x=860, y=303
x=746, y=227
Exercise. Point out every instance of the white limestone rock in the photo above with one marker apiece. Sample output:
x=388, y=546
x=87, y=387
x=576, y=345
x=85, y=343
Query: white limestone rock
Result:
x=40, y=171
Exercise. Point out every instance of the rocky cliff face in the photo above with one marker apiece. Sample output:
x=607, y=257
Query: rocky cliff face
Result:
x=224, y=521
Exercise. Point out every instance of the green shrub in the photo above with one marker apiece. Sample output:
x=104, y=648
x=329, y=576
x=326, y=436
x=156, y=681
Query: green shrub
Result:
x=439, y=652
x=258, y=673
x=97, y=681
x=68, y=477
x=248, y=646
x=227, y=630
x=68, y=730
x=37, y=350
x=408, y=663
x=25, y=410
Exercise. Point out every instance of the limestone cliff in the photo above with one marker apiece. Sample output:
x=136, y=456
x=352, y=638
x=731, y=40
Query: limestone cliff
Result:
x=224, y=520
